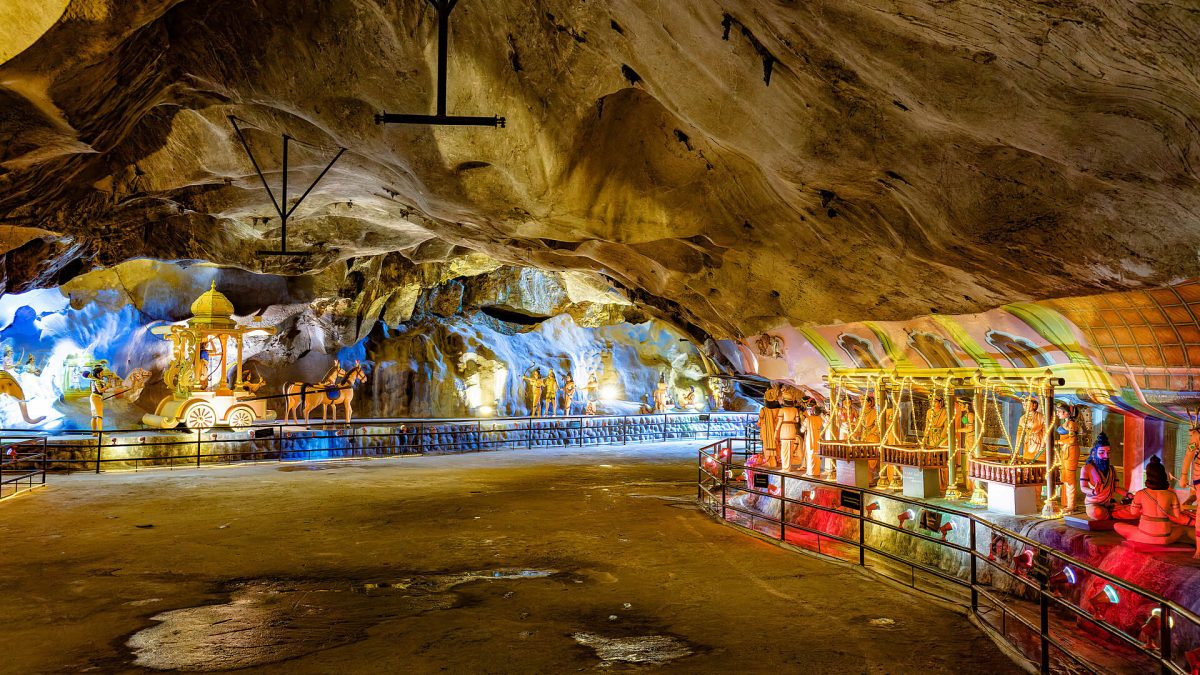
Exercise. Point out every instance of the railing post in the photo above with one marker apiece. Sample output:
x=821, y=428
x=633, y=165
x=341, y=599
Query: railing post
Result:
x=529, y=436
x=99, y=447
x=1044, y=611
x=721, y=464
x=1164, y=635
x=862, y=528
x=974, y=572
x=782, y=498
x=197, y=448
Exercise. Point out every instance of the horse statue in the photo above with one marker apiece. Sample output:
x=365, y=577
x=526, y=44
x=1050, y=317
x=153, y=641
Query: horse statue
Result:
x=343, y=394
x=303, y=396
x=9, y=386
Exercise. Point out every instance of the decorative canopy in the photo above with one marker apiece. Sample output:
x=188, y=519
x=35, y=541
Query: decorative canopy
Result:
x=212, y=309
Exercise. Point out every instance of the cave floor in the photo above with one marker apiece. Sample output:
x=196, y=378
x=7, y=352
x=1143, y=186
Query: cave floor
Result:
x=549, y=560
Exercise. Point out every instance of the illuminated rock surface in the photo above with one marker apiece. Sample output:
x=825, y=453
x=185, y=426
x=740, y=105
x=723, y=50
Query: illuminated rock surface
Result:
x=904, y=157
x=422, y=564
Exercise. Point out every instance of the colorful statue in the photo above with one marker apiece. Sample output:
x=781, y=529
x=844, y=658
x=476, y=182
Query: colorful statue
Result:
x=845, y=419
x=1160, y=520
x=7, y=361
x=592, y=390
x=689, y=399
x=1031, y=430
x=533, y=393
x=568, y=394
x=787, y=430
x=645, y=408
x=964, y=414
x=661, y=395
x=550, y=382
x=936, y=418
x=1068, y=455
x=1099, y=482
x=768, y=419
x=1190, y=480
x=813, y=422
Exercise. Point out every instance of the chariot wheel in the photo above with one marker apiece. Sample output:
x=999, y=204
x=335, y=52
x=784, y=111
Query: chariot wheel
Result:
x=200, y=417
x=240, y=419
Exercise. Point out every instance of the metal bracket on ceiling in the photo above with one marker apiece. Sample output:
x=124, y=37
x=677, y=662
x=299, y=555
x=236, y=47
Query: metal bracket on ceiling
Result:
x=443, y=7
x=281, y=205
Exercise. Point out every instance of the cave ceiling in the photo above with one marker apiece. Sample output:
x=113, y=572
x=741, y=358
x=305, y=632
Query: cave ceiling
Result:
x=734, y=165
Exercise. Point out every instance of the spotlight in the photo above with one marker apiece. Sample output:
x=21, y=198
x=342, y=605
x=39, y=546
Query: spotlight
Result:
x=485, y=411
x=905, y=516
x=871, y=509
x=1023, y=561
x=608, y=393
x=946, y=528
x=1105, y=596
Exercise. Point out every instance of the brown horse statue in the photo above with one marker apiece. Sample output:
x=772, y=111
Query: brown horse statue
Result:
x=304, y=396
x=344, y=394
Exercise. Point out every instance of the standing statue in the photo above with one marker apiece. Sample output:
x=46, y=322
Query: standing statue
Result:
x=1068, y=455
x=660, y=394
x=813, y=422
x=935, y=424
x=964, y=448
x=868, y=432
x=768, y=419
x=1099, y=482
x=1031, y=431
x=592, y=389
x=716, y=388
x=533, y=393
x=568, y=394
x=551, y=385
x=787, y=430
x=99, y=385
x=1190, y=480
x=1160, y=520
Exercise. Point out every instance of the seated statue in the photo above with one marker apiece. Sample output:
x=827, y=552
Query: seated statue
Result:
x=1099, y=482
x=1156, y=508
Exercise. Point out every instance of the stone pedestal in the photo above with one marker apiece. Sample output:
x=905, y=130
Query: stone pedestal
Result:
x=1013, y=500
x=853, y=472
x=1082, y=522
x=921, y=483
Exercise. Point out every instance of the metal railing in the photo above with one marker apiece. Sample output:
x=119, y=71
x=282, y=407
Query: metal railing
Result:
x=22, y=466
x=1054, y=609
x=79, y=450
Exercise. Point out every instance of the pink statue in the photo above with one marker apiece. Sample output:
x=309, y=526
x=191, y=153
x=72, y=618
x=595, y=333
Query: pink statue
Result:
x=1099, y=482
x=1160, y=520
x=1191, y=468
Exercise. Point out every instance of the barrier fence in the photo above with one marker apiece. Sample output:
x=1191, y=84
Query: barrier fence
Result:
x=1060, y=613
x=134, y=449
x=22, y=466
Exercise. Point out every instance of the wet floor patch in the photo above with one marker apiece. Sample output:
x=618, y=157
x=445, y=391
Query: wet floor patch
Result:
x=272, y=620
x=642, y=649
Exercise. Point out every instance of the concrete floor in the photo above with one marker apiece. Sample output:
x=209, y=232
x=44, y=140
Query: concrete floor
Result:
x=541, y=561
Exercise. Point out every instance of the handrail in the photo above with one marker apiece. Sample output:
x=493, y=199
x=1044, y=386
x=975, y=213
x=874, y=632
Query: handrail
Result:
x=720, y=453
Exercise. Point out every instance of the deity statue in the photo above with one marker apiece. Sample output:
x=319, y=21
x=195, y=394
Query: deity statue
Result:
x=868, y=432
x=1099, y=482
x=31, y=366
x=689, y=399
x=645, y=408
x=768, y=419
x=568, y=393
x=7, y=361
x=845, y=419
x=812, y=423
x=533, y=392
x=592, y=389
x=1068, y=455
x=935, y=424
x=1160, y=520
x=716, y=388
x=787, y=429
x=99, y=385
x=964, y=414
x=891, y=436
x=550, y=382
x=1031, y=431
x=661, y=394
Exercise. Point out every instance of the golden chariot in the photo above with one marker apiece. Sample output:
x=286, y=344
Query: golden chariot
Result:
x=198, y=373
